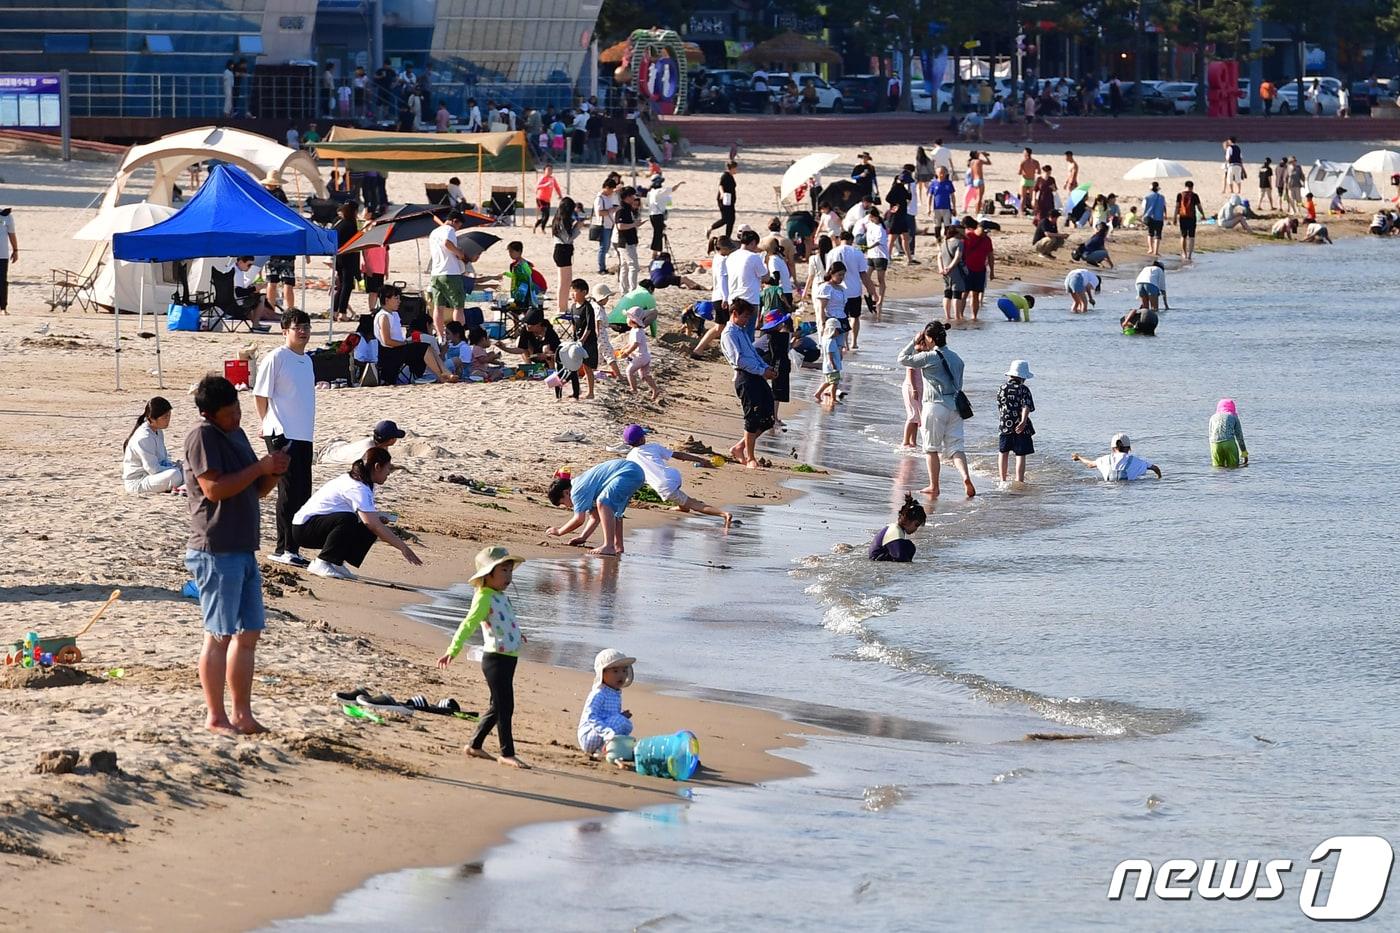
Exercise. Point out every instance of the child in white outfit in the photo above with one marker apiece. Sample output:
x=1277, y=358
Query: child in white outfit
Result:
x=639, y=367
x=603, y=717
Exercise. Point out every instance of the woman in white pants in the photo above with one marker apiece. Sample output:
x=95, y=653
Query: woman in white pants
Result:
x=146, y=464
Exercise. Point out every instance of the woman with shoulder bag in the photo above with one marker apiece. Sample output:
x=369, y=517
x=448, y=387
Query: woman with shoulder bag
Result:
x=945, y=407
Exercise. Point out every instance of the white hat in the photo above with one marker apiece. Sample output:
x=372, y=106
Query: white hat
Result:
x=831, y=328
x=611, y=657
x=572, y=355
x=1020, y=369
x=1120, y=440
x=602, y=291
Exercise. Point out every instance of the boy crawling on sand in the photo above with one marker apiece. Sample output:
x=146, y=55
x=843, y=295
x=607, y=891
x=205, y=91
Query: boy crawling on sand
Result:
x=603, y=717
x=664, y=478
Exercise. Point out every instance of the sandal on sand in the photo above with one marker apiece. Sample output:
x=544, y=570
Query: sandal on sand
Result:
x=444, y=707
x=350, y=696
x=383, y=703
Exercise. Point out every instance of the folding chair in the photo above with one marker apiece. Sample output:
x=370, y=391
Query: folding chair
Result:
x=71, y=287
x=502, y=206
x=220, y=308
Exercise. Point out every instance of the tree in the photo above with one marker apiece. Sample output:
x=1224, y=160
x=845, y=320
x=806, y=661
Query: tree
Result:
x=618, y=18
x=1303, y=20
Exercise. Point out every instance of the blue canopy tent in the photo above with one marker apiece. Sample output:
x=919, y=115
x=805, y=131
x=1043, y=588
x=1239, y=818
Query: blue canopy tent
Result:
x=230, y=215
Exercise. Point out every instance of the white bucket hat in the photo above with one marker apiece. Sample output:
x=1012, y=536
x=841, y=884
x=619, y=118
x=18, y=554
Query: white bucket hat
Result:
x=611, y=657
x=1020, y=369
x=602, y=291
x=489, y=558
x=1120, y=440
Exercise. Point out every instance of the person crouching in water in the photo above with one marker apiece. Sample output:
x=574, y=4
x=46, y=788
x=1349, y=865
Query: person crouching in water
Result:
x=603, y=717
x=1227, y=437
x=892, y=543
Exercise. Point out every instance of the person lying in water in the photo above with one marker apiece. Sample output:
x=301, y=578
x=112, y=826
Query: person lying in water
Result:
x=892, y=543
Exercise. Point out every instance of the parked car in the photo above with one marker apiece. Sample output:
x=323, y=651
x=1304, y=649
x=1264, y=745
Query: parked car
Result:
x=828, y=98
x=864, y=93
x=1181, y=94
x=1288, y=95
x=1246, y=97
x=735, y=93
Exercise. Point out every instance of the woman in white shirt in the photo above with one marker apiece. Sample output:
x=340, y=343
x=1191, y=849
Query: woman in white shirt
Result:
x=830, y=223
x=816, y=266
x=877, y=253
x=340, y=519
x=146, y=464
x=397, y=351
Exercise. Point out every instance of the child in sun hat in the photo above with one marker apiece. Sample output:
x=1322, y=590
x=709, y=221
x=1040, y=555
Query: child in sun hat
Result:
x=603, y=717
x=501, y=640
x=601, y=293
x=639, y=351
x=664, y=478
x=1014, y=407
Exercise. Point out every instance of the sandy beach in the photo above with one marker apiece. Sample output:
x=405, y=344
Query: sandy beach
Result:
x=323, y=801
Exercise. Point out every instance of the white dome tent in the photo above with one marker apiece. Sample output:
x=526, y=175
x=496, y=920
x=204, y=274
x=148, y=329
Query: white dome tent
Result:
x=1326, y=177
x=119, y=285
x=171, y=156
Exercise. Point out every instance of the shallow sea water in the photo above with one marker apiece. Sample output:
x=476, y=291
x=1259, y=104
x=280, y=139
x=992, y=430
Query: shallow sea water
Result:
x=1227, y=637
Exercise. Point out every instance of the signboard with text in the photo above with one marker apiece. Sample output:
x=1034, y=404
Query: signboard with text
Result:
x=30, y=101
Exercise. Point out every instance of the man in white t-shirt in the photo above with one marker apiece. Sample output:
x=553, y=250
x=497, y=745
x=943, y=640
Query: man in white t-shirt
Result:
x=942, y=157
x=664, y=478
x=744, y=270
x=1120, y=464
x=447, y=271
x=385, y=434
x=285, y=394
x=857, y=281
x=857, y=214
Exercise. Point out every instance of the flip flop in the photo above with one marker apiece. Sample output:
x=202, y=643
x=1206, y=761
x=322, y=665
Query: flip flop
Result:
x=349, y=696
x=444, y=707
x=355, y=712
x=383, y=702
x=472, y=716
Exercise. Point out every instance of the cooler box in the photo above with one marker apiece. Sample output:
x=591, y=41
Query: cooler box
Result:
x=496, y=330
x=236, y=371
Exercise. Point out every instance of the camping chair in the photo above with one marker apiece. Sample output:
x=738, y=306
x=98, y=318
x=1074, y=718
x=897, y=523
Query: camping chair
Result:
x=502, y=206
x=322, y=211
x=436, y=193
x=70, y=286
x=785, y=205
x=219, y=307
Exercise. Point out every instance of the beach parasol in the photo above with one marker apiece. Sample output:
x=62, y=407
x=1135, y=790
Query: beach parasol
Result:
x=791, y=48
x=475, y=242
x=1382, y=162
x=801, y=171
x=843, y=195
x=1157, y=170
x=408, y=222
x=1078, y=195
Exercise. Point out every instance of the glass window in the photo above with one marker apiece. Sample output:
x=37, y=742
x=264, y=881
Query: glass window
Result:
x=67, y=42
x=250, y=45
x=159, y=43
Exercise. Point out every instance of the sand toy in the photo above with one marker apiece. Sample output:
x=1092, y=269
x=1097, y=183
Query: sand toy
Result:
x=63, y=649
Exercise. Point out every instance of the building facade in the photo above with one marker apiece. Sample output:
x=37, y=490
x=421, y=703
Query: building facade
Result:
x=153, y=58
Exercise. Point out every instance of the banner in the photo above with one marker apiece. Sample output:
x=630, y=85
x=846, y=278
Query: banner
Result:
x=30, y=101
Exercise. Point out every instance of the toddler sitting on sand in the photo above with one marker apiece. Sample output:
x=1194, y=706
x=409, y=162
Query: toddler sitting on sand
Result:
x=603, y=717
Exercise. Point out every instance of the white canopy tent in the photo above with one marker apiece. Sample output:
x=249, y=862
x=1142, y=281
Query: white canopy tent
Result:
x=171, y=156
x=120, y=285
x=1326, y=177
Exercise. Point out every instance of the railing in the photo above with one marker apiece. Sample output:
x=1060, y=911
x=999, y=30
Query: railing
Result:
x=270, y=94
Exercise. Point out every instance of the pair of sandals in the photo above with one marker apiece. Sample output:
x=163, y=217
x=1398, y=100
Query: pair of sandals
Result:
x=384, y=703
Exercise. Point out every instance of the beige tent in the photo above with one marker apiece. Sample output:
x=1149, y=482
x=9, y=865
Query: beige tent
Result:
x=171, y=156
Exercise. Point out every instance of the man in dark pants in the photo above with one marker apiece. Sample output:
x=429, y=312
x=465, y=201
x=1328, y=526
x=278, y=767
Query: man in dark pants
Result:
x=725, y=199
x=9, y=249
x=285, y=394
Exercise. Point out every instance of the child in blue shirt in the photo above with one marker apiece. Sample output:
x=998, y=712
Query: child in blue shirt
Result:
x=603, y=717
x=597, y=497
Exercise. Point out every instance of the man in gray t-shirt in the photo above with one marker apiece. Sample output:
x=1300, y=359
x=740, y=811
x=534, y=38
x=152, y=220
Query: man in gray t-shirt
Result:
x=225, y=480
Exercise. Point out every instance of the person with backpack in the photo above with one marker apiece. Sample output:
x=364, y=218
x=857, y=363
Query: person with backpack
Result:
x=1188, y=210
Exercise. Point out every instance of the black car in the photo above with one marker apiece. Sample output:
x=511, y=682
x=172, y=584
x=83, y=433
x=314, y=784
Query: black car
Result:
x=863, y=93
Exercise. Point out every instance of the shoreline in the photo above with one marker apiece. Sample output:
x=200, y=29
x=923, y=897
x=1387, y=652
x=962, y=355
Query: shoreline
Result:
x=175, y=806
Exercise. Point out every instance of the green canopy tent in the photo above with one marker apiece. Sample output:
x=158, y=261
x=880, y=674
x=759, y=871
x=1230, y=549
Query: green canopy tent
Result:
x=376, y=151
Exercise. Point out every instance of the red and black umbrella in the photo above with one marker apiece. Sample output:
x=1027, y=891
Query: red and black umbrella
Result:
x=408, y=222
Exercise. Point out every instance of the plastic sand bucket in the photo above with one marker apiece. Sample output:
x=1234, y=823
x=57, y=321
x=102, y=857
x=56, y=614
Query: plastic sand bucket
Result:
x=675, y=756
